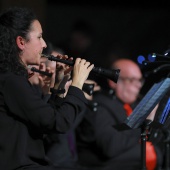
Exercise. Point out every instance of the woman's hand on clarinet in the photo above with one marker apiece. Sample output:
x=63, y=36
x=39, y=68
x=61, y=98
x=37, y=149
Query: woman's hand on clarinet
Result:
x=81, y=71
x=63, y=72
x=46, y=82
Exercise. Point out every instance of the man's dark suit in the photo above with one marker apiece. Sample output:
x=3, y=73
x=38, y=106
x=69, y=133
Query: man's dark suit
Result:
x=100, y=144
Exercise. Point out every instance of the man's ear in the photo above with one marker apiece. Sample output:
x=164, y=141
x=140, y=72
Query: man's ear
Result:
x=20, y=42
x=111, y=84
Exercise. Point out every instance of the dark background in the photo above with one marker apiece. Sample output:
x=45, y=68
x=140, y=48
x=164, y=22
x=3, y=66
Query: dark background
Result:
x=130, y=28
x=136, y=28
x=126, y=28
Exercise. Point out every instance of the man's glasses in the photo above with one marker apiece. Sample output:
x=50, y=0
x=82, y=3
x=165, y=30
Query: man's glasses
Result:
x=132, y=80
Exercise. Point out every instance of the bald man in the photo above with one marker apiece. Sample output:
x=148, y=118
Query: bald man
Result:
x=99, y=144
x=130, y=81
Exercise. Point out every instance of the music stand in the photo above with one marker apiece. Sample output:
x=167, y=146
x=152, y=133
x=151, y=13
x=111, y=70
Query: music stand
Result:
x=162, y=123
x=148, y=103
x=138, y=117
x=162, y=116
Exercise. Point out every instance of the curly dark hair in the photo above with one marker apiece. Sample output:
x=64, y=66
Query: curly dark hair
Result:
x=14, y=21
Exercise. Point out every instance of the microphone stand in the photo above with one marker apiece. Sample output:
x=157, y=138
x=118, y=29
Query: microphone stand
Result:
x=144, y=135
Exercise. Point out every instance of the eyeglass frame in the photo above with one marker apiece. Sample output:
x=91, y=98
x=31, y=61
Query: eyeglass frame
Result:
x=132, y=79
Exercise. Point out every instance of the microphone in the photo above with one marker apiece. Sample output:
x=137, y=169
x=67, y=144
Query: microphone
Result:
x=161, y=57
x=161, y=62
x=160, y=65
x=155, y=63
x=110, y=74
x=166, y=53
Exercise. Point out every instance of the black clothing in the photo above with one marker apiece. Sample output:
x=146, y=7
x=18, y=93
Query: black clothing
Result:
x=25, y=118
x=61, y=148
x=100, y=144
